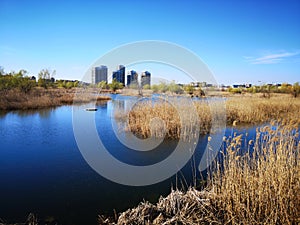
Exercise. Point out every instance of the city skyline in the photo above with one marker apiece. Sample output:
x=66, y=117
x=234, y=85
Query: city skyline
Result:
x=241, y=42
x=100, y=73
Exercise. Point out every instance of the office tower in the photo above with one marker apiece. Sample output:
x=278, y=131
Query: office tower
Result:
x=146, y=78
x=119, y=75
x=132, y=78
x=99, y=74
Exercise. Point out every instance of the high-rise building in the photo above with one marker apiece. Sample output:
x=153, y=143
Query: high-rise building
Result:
x=146, y=78
x=119, y=75
x=132, y=78
x=99, y=74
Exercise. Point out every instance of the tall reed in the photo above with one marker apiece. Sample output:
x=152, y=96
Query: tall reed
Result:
x=239, y=109
x=43, y=98
x=254, y=184
x=260, y=186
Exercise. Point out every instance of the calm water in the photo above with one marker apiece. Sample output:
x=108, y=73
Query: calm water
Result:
x=42, y=170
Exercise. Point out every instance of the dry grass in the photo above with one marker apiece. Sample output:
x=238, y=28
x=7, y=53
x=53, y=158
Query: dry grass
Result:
x=43, y=98
x=242, y=110
x=259, y=186
x=142, y=119
x=135, y=92
x=255, y=109
x=191, y=207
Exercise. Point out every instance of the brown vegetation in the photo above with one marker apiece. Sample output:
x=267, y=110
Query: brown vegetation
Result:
x=259, y=186
x=256, y=109
x=42, y=98
x=249, y=109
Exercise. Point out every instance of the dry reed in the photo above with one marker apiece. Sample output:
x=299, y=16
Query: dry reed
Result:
x=260, y=185
x=43, y=98
x=242, y=110
x=172, y=112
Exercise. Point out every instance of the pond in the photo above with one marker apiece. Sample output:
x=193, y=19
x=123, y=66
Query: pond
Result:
x=42, y=171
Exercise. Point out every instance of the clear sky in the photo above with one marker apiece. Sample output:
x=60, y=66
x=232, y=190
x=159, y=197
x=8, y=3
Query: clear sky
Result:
x=240, y=41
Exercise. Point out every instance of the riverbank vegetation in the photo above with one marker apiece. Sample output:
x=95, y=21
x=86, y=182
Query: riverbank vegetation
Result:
x=268, y=89
x=19, y=91
x=39, y=98
x=255, y=184
x=252, y=109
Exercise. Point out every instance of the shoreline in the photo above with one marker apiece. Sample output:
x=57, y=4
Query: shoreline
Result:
x=241, y=110
x=238, y=187
x=40, y=98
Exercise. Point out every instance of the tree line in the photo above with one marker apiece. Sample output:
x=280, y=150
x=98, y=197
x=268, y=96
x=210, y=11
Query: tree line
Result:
x=268, y=89
x=22, y=81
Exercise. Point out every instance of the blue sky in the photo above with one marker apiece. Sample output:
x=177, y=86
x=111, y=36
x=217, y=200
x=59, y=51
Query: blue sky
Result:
x=240, y=41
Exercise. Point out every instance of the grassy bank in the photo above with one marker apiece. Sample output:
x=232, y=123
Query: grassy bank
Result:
x=42, y=98
x=251, y=109
x=257, y=187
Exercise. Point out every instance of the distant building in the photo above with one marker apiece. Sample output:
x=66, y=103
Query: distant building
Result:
x=146, y=78
x=132, y=78
x=242, y=85
x=32, y=78
x=119, y=75
x=99, y=74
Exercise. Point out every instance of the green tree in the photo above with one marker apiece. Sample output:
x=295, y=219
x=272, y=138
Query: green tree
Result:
x=43, y=78
x=69, y=85
x=6, y=82
x=102, y=84
x=46, y=78
x=163, y=87
x=175, y=88
x=115, y=85
x=26, y=84
x=155, y=88
x=76, y=83
x=146, y=87
x=235, y=90
x=2, y=71
x=296, y=89
x=285, y=88
x=189, y=89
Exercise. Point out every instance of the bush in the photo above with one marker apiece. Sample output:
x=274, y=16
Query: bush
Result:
x=235, y=90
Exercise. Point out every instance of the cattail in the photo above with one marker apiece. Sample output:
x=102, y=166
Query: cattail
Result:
x=234, y=123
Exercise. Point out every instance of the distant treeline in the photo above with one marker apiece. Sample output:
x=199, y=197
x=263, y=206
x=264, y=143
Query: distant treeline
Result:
x=45, y=79
x=268, y=89
x=25, y=83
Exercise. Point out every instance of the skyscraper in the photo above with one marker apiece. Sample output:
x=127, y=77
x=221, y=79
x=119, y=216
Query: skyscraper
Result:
x=132, y=78
x=146, y=78
x=119, y=75
x=99, y=74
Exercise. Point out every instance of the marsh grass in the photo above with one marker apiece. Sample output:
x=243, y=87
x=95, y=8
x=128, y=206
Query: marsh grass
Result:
x=255, y=184
x=239, y=110
x=255, y=109
x=44, y=98
x=150, y=117
x=262, y=185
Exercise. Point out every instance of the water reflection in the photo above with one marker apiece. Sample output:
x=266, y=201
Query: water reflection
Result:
x=43, y=113
x=2, y=114
x=42, y=170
